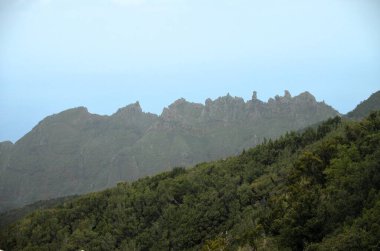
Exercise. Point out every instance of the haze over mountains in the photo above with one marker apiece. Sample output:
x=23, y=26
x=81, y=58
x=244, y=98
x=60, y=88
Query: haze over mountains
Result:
x=315, y=189
x=75, y=152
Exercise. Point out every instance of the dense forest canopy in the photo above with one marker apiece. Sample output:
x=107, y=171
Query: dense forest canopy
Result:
x=312, y=190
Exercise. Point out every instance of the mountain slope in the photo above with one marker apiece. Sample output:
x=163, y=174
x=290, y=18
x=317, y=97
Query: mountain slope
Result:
x=314, y=190
x=364, y=108
x=75, y=152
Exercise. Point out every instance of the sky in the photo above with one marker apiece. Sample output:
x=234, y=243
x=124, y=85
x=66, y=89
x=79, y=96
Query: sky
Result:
x=106, y=54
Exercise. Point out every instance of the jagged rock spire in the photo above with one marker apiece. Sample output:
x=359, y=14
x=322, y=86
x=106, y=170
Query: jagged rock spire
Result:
x=131, y=108
x=287, y=94
x=254, y=95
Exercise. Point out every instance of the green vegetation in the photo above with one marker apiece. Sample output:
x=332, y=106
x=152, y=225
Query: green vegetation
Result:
x=318, y=189
x=364, y=108
x=13, y=215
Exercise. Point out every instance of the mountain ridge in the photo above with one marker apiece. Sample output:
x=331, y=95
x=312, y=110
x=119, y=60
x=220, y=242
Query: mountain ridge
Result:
x=136, y=107
x=75, y=152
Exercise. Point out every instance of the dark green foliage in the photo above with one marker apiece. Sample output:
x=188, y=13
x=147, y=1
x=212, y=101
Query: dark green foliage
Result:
x=364, y=108
x=15, y=214
x=318, y=189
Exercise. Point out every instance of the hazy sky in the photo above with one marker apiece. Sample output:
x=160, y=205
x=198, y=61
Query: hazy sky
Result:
x=105, y=54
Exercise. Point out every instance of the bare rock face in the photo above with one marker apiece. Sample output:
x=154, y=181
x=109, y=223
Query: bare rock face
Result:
x=129, y=110
x=287, y=95
x=182, y=111
x=76, y=152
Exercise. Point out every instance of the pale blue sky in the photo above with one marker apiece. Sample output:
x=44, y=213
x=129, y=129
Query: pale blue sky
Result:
x=105, y=54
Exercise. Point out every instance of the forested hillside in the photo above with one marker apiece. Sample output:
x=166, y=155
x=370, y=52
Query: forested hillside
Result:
x=364, y=108
x=313, y=190
x=11, y=216
x=76, y=152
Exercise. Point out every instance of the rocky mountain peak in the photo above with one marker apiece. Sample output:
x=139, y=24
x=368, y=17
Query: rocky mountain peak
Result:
x=76, y=110
x=306, y=96
x=130, y=109
x=73, y=115
x=282, y=99
x=228, y=99
x=178, y=103
x=181, y=110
